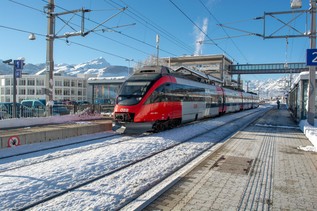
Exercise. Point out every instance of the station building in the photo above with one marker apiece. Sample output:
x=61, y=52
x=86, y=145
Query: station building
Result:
x=298, y=97
x=216, y=66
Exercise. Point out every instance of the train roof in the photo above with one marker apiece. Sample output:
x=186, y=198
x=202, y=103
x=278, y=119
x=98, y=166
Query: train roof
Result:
x=194, y=75
x=153, y=70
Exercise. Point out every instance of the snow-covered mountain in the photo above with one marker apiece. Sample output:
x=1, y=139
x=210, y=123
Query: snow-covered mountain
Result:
x=271, y=88
x=101, y=68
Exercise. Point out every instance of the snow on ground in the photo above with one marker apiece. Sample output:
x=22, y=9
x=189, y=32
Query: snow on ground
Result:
x=311, y=133
x=73, y=164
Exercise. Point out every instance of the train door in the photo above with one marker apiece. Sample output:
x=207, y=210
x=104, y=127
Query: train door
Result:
x=221, y=100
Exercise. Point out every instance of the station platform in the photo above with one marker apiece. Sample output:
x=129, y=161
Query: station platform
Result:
x=48, y=132
x=259, y=168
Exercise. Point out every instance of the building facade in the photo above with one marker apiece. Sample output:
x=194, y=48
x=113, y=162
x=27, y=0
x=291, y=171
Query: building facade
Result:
x=104, y=90
x=33, y=87
x=213, y=65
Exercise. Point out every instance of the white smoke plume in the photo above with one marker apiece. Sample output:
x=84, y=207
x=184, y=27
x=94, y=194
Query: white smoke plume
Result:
x=200, y=37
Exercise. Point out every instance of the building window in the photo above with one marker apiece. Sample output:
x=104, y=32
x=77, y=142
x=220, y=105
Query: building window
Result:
x=73, y=83
x=39, y=92
x=66, y=82
x=31, y=82
x=80, y=92
x=39, y=82
x=66, y=92
x=31, y=91
x=8, y=91
x=22, y=82
x=80, y=84
x=58, y=92
x=7, y=82
x=58, y=83
x=22, y=91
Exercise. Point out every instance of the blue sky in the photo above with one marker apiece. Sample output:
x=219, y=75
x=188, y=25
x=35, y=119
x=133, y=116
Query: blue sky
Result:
x=130, y=35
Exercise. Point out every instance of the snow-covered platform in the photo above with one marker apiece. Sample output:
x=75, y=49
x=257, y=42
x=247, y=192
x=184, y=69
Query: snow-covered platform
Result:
x=48, y=132
x=261, y=167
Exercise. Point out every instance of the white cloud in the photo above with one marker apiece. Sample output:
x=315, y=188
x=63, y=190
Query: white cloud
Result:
x=200, y=37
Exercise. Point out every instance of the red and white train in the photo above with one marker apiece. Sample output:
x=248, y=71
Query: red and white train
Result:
x=156, y=98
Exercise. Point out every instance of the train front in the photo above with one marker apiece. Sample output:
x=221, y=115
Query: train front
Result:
x=130, y=113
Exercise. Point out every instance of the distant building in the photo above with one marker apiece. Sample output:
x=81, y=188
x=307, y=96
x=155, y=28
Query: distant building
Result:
x=104, y=89
x=213, y=65
x=33, y=87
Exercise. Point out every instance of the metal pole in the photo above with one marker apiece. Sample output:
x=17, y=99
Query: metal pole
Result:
x=49, y=54
x=14, y=106
x=157, y=49
x=312, y=69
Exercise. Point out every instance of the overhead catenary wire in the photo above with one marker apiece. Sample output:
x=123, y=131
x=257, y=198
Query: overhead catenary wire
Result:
x=230, y=37
x=136, y=15
x=121, y=33
x=41, y=11
x=65, y=40
x=224, y=51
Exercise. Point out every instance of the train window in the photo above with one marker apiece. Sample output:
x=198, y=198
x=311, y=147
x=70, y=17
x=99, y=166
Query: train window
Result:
x=137, y=88
x=158, y=95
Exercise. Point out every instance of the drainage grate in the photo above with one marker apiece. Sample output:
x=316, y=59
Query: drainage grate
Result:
x=233, y=165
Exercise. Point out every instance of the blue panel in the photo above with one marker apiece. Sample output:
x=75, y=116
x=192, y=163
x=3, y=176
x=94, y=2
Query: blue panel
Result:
x=311, y=57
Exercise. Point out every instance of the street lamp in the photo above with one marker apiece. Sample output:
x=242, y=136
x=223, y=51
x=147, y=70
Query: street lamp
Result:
x=32, y=36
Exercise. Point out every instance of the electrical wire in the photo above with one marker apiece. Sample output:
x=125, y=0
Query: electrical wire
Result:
x=236, y=46
x=26, y=6
x=123, y=34
x=177, y=7
x=68, y=23
x=65, y=40
x=155, y=27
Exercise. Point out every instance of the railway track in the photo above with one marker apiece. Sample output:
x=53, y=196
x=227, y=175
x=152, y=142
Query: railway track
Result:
x=56, y=147
x=52, y=156
x=236, y=122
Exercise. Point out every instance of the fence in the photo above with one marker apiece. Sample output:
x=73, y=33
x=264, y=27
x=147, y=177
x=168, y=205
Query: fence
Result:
x=6, y=110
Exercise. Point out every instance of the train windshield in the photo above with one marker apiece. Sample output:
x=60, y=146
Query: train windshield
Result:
x=136, y=88
x=132, y=92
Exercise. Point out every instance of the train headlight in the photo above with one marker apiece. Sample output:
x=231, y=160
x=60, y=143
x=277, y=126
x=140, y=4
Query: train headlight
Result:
x=139, y=99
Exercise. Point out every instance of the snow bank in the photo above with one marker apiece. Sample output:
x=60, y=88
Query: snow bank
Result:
x=310, y=131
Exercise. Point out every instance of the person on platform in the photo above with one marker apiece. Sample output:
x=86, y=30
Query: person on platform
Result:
x=278, y=103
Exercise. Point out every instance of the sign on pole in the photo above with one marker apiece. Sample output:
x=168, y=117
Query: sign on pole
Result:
x=18, y=66
x=311, y=57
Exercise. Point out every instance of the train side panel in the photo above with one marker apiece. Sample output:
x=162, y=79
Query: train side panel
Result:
x=232, y=101
x=247, y=100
